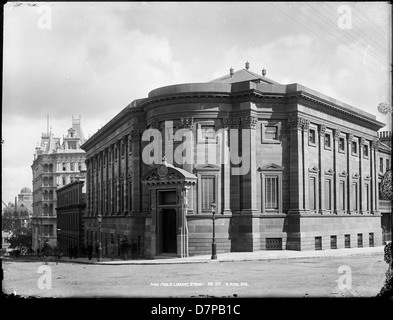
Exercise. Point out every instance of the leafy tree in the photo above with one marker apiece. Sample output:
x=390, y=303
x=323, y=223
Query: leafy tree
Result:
x=21, y=239
x=386, y=186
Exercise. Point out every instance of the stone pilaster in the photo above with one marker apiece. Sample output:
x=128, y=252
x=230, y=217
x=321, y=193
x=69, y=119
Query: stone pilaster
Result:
x=349, y=171
x=321, y=178
x=374, y=176
x=248, y=136
x=296, y=167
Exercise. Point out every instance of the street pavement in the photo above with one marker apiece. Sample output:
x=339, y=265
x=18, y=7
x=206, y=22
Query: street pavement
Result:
x=235, y=256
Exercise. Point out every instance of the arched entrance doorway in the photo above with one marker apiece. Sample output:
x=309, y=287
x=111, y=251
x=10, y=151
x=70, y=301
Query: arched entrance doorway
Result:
x=166, y=223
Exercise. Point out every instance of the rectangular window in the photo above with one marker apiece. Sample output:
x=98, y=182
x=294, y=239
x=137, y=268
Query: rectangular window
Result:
x=360, y=240
x=328, y=194
x=371, y=239
x=387, y=165
x=318, y=243
x=380, y=164
x=271, y=193
x=271, y=132
x=327, y=141
x=311, y=136
x=354, y=148
x=341, y=144
x=206, y=132
x=311, y=193
x=354, y=196
x=341, y=195
x=367, y=197
x=347, y=240
x=71, y=166
x=208, y=192
x=365, y=151
x=333, y=242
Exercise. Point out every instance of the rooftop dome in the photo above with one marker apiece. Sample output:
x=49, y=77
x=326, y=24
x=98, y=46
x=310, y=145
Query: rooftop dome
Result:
x=25, y=190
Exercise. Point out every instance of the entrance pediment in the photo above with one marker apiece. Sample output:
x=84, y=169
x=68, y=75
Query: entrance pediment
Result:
x=168, y=174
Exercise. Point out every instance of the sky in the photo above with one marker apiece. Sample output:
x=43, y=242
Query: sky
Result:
x=92, y=59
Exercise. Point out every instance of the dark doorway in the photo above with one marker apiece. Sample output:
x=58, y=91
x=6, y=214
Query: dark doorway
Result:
x=169, y=227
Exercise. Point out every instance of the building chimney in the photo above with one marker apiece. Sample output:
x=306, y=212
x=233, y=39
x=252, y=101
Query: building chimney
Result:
x=231, y=71
x=247, y=65
x=264, y=72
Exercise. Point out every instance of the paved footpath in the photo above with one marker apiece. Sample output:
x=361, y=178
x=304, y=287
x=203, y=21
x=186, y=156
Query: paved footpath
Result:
x=237, y=257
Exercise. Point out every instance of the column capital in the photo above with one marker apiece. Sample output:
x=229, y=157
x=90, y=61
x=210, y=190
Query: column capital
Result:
x=337, y=133
x=362, y=141
x=375, y=143
x=136, y=134
x=322, y=129
x=187, y=123
x=248, y=122
x=350, y=137
x=231, y=123
x=299, y=123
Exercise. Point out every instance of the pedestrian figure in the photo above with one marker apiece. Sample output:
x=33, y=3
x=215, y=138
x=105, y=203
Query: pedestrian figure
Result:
x=90, y=250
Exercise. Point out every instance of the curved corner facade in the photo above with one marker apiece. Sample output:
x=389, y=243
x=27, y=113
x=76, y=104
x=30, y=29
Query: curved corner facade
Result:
x=296, y=171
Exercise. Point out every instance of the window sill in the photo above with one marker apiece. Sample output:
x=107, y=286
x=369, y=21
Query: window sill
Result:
x=267, y=141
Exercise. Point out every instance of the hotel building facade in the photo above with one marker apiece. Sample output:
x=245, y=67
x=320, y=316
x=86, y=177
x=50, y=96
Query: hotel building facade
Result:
x=311, y=182
x=56, y=163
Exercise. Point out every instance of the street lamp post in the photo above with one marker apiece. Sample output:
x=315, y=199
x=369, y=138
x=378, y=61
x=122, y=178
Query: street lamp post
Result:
x=214, y=248
x=58, y=239
x=99, y=219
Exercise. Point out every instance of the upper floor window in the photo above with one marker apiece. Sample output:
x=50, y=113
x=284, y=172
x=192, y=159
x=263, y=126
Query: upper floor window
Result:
x=380, y=164
x=354, y=145
x=206, y=132
x=341, y=144
x=311, y=136
x=387, y=165
x=365, y=151
x=270, y=131
x=328, y=141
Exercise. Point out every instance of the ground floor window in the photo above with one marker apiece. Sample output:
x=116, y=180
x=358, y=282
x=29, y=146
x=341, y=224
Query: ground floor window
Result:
x=318, y=243
x=347, y=241
x=208, y=192
x=271, y=192
x=360, y=240
x=371, y=240
x=333, y=242
x=312, y=193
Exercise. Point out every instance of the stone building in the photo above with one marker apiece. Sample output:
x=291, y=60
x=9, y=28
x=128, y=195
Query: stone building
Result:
x=296, y=170
x=19, y=213
x=70, y=210
x=56, y=163
x=384, y=173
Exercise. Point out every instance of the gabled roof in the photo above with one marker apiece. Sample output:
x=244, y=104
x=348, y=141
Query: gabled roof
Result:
x=244, y=75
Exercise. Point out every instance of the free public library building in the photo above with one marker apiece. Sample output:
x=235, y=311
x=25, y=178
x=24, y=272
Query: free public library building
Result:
x=312, y=182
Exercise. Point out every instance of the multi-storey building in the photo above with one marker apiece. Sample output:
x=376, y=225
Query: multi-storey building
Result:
x=19, y=213
x=70, y=211
x=384, y=168
x=295, y=170
x=56, y=163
